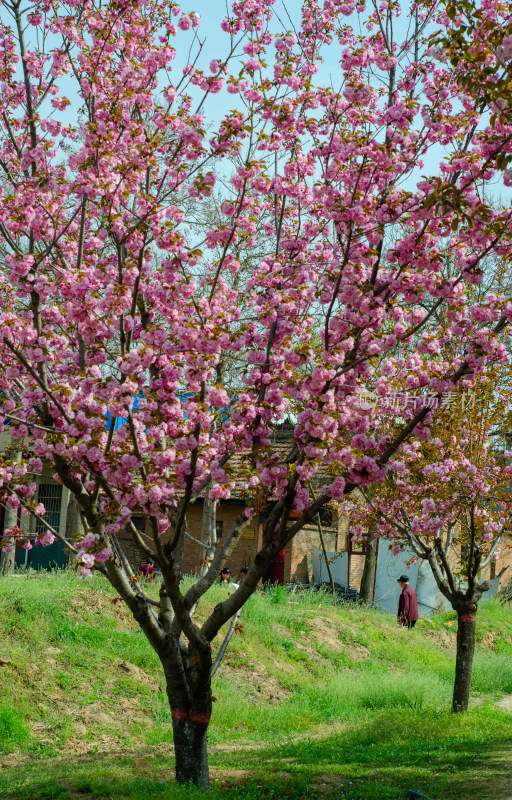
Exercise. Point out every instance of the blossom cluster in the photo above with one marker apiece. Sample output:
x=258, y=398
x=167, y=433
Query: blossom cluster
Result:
x=324, y=262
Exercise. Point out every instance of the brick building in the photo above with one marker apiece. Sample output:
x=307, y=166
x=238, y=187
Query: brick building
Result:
x=502, y=568
x=294, y=563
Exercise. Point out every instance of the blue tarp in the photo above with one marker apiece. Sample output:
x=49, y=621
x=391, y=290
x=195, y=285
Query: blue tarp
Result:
x=183, y=396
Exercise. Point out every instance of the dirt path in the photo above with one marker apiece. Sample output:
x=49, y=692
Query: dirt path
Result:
x=506, y=702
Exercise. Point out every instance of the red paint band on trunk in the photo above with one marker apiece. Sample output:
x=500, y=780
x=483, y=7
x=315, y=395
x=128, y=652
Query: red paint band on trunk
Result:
x=467, y=617
x=205, y=718
x=176, y=713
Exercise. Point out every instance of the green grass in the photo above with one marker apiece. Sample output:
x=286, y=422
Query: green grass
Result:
x=314, y=699
x=14, y=731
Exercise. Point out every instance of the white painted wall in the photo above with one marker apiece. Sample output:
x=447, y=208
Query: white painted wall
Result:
x=389, y=568
x=339, y=567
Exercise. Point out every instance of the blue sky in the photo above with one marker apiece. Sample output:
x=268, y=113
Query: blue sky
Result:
x=216, y=43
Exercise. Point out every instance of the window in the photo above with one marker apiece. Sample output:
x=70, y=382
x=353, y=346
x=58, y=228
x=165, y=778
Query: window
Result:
x=326, y=517
x=50, y=495
x=140, y=523
x=53, y=556
x=356, y=548
x=219, y=528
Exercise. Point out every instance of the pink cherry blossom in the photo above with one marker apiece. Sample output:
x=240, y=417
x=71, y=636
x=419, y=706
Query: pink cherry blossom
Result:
x=205, y=269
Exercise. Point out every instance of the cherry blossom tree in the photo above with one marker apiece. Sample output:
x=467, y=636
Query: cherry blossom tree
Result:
x=112, y=307
x=447, y=500
x=496, y=278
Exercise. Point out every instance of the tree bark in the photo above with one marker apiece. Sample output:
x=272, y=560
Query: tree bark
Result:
x=74, y=525
x=366, y=588
x=8, y=559
x=188, y=683
x=190, y=749
x=207, y=528
x=324, y=551
x=7, y=562
x=464, y=659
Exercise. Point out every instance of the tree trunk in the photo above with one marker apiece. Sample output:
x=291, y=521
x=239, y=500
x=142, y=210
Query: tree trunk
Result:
x=366, y=588
x=7, y=562
x=324, y=551
x=464, y=661
x=207, y=529
x=8, y=559
x=74, y=526
x=189, y=692
x=190, y=749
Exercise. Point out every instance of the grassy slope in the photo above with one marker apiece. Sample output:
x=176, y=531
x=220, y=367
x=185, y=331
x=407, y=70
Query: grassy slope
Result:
x=312, y=700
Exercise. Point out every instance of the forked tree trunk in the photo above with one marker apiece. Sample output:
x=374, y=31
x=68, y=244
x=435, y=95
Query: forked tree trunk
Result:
x=366, y=587
x=464, y=659
x=190, y=750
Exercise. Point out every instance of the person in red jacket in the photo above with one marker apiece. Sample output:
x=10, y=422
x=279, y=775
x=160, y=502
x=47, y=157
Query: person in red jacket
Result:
x=148, y=570
x=407, y=604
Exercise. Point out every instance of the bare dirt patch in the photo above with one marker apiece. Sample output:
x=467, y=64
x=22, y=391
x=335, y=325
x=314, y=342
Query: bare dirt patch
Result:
x=441, y=638
x=323, y=631
x=357, y=652
x=260, y=683
x=100, y=602
x=505, y=702
x=94, y=714
x=489, y=640
x=134, y=671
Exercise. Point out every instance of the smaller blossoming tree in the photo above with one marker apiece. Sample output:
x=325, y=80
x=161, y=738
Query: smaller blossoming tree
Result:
x=447, y=499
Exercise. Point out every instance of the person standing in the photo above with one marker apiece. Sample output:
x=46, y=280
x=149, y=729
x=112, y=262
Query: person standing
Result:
x=225, y=576
x=407, y=604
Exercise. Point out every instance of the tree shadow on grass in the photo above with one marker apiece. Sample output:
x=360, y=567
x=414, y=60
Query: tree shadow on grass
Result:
x=453, y=757
x=378, y=758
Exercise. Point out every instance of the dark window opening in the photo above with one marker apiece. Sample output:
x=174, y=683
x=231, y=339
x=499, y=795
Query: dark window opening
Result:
x=140, y=523
x=356, y=548
x=326, y=516
x=219, y=528
x=50, y=495
x=52, y=556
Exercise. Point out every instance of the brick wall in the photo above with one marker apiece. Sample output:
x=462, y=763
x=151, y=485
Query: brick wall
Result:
x=241, y=556
x=245, y=549
x=298, y=553
x=356, y=570
x=505, y=560
x=356, y=560
x=298, y=565
x=132, y=551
